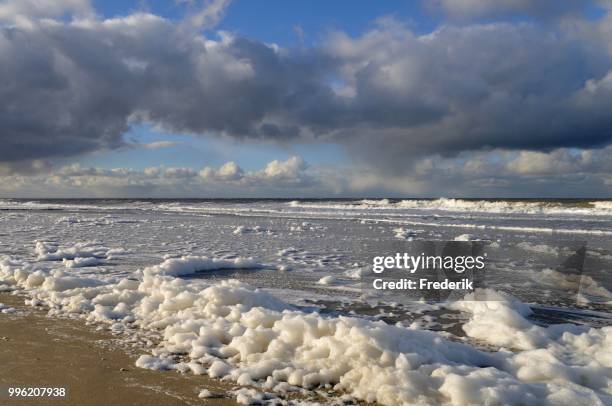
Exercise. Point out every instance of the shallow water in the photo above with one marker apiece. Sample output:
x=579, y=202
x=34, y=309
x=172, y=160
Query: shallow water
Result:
x=314, y=239
x=295, y=245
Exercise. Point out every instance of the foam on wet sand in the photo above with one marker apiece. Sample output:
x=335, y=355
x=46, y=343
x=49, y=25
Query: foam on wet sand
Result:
x=232, y=331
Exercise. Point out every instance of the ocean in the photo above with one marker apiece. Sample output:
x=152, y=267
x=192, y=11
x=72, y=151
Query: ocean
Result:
x=269, y=292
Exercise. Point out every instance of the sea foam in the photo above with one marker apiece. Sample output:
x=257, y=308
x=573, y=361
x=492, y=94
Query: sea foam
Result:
x=230, y=330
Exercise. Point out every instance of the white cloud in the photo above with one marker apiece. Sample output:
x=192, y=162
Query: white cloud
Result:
x=16, y=10
x=471, y=92
x=562, y=172
x=541, y=163
x=160, y=144
x=208, y=15
x=152, y=171
x=289, y=169
x=292, y=171
x=471, y=9
x=389, y=95
x=178, y=173
x=278, y=178
x=230, y=171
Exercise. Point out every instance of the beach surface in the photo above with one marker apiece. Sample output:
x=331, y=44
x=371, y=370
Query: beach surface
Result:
x=38, y=350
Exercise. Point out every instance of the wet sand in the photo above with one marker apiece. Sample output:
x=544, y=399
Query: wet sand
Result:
x=36, y=350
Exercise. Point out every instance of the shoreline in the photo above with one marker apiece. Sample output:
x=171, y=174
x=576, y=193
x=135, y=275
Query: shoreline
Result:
x=38, y=350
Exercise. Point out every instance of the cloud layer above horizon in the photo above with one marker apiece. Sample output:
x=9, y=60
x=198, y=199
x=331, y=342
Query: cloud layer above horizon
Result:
x=526, y=94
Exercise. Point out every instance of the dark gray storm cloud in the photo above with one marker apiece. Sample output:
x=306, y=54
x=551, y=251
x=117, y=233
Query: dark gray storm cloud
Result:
x=72, y=88
x=389, y=94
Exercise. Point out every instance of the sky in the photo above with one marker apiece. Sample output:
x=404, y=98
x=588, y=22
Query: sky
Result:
x=220, y=98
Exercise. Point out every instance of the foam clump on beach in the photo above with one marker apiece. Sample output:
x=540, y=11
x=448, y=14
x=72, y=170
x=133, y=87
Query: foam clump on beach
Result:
x=563, y=355
x=249, y=396
x=206, y=394
x=572, y=282
x=4, y=309
x=404, y=234
x=232, y=331
x=327, y=280
x=538, y=248
x=250, y=230
x=358, y=272
x=500, y=320
x=191, y=264
x=47, y=251
x=467, y=237
x=306, y=226
x=80, y=262
x=16, y=274
x=154, y=363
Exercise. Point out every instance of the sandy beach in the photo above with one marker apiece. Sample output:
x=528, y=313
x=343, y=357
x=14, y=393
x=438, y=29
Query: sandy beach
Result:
x=37, y=350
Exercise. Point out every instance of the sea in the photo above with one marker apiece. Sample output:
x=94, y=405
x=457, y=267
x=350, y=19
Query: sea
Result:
x=203, y=268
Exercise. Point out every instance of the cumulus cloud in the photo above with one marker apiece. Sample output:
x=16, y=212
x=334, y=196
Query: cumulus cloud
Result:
x=292, y=177
x=470, y=9
x=228, y=171
x=291, y=172
x=559, y=173
x=289, y=169
x=179, y=173
x=563, y=172
x=22, y=10
x=390, y=96
x=538, y=163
